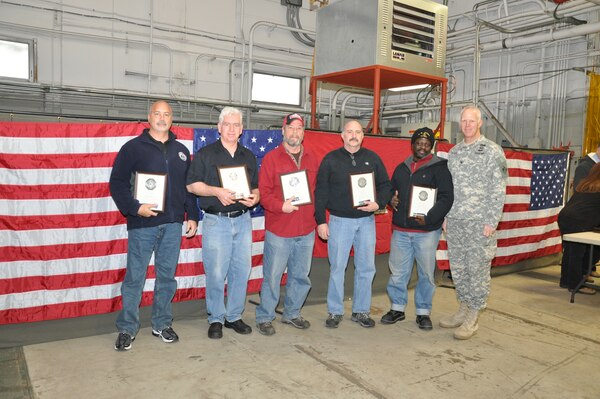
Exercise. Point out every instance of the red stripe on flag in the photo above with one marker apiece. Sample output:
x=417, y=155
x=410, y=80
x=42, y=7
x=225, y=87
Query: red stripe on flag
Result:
x=54, y=191
x=61, y=282
x=107, y=277
x=22, y=223
x=63, y=251
x=516, y=224
x=512, y=259
x=515, y=208
x=517, y=190
x=513, y=172
x=518, y=155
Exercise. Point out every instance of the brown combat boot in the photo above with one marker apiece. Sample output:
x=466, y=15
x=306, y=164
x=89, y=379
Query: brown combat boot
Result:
x=469, y=326
x=456, y=319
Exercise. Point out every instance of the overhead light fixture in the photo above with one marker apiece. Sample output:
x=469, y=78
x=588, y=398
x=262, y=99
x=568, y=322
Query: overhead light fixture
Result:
x=408, y=88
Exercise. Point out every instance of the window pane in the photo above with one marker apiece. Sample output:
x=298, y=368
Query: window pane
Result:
x=276, y=89
x=18, y=54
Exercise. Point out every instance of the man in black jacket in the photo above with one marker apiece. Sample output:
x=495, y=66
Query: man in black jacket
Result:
x=151, y=227
x=424, y=195
x=350, y=225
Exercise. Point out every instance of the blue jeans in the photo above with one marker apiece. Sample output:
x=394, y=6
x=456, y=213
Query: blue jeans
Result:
x=165, y=242
x=226, y=254
x=406, y=247
x=345, y=233
x=296, y=254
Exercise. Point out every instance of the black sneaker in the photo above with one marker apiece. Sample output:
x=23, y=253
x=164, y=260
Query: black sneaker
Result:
x=123, y=342
x=168, y=335
x=363, y=319
x=333, y=321
x=392, y=316
x=424, y=322
x=266, y=328
x=297, y=322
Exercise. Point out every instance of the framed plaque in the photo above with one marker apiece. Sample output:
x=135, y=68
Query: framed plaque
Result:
x=422, y=200
x=235, y=178
x=362, y=186
x=295, y=185
x=151, y=188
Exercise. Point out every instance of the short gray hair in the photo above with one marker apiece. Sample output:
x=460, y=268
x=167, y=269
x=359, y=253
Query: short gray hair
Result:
x=471, y=107
x=227, y=111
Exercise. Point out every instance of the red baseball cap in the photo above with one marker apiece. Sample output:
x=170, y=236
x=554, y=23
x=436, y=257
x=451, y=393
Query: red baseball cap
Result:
x=292, y=117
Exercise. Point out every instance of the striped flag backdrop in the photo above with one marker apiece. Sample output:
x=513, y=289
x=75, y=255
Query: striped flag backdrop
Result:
x=534, y=197
x=63, y=243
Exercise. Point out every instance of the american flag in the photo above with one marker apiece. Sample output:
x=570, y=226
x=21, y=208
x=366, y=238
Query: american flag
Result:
x=534, y=197
x=63, y=243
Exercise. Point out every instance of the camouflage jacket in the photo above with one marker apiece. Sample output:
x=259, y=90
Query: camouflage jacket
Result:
x=479, y=176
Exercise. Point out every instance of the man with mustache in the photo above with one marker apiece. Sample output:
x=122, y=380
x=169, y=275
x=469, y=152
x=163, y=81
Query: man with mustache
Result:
x=289, y=229
x=415, y=235
x=349, y=227
x=155, y=151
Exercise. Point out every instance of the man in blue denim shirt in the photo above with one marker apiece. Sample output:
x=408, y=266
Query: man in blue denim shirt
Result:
x=155, y=151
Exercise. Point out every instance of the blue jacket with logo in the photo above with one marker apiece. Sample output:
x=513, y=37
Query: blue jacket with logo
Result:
x=146, y=155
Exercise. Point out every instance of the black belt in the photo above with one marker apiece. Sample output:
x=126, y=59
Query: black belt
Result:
x=232, y=214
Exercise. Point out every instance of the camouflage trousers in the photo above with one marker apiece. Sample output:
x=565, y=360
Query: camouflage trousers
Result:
x=470, y=254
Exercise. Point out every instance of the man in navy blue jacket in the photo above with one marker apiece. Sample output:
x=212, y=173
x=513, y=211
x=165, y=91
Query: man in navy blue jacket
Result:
x=154, y=152
x=416, y=233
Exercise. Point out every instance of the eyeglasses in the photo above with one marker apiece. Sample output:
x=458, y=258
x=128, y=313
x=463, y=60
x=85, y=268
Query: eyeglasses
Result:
x=227, y=125
x=352, y=158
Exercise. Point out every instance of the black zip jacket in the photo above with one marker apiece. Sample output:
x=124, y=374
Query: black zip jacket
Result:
x=433, y=174
x=144, y=154
x=333, y=183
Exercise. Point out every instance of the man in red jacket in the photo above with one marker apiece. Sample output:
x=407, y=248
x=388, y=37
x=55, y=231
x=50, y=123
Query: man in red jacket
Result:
x=286, y=182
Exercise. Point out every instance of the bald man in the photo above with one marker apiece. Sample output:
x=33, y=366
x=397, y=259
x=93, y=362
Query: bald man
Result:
x=350, y=225
x=158, y=161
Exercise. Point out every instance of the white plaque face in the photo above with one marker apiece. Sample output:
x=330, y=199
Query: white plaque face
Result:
x=422, y=200
x=151, y=188
x=235, y=178
x=295, y=185
x=362, y=186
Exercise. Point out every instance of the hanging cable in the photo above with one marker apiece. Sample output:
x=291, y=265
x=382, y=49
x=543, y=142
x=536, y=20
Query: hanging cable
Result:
x=293, y=21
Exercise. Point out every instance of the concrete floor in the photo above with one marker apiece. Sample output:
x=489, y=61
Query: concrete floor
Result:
x=531, y=343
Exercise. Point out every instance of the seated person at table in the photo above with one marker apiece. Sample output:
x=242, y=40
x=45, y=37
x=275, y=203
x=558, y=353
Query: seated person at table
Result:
x=581, y=213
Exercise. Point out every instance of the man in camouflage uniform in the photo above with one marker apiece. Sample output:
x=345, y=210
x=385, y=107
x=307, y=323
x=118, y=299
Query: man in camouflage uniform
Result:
x=478, y=168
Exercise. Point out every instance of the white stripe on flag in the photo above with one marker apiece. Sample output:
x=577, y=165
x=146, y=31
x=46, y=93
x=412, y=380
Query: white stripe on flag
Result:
x=526, y=215
x=526, y=248
x=525, y=231
x=61, y=145
x=34, y=177
x=48, y=207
